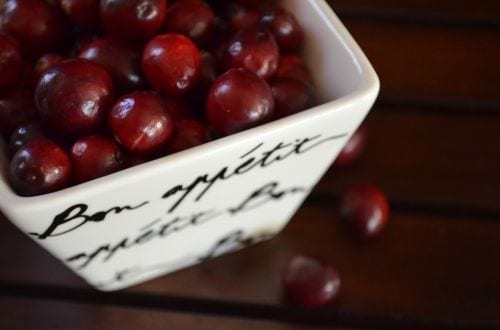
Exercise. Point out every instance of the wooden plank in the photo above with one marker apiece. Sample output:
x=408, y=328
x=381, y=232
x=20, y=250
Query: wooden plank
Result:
x=463, y=9
x=432, y=269
x=432, y=159
x=433, y=64
x=43, y=314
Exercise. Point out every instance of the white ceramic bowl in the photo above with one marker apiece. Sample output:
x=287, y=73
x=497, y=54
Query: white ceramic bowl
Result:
x=176, y=211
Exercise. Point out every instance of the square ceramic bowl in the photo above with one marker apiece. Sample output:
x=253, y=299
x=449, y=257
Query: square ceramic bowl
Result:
x=179, y=210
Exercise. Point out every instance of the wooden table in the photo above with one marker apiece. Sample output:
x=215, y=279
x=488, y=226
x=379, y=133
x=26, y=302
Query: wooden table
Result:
x=434, y=148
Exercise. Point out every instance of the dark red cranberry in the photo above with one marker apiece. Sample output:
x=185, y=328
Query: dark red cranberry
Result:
x=284, y=27
x=25, y=133
x=291, y=96
x=171, y=63
x=140, y=122
x=94, y=156
x=241, y=17
x=133, y=20
x=17, y=106
x=365, y=210
x=309, y=281
x=293, y=66
x=83, y=13
x=178, y=108
x=74, y=96
x=39, y=167
x=192, y=18
x=354, y=148
x=239, y=99
x=44, y=63
x=253, y=49
x=253, y=2
x=122, y=63
x=11, y=62
x=187, y=134
x=39, y=27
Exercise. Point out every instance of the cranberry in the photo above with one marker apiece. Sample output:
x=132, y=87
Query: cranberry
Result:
x=252, y=2
x=239, y=99
x=365, y=210
x=178, y=108
x=39, y=167
x=25, y=133
x=133, y=20
x=293, y=66
x=82, y=13
x=44, y=63
x=94, y=156
x=122, y=63
x=354, y=148
x=291, y=96
x=171, y=63
x=309, y=281
x=39, y=27
x=11, y=62
x=192, y=18
x=74, y=96
x=140, y=122
x=16, y=107
x=284, y=27
x=253, y=49
x=208, y=74
x=187, y=134
x=243, y=18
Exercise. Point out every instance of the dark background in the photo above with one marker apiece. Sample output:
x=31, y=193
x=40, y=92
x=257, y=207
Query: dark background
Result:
x=434, y=148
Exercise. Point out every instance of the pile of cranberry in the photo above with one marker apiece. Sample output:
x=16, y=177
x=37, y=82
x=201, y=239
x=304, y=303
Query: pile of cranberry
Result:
x=88, y=87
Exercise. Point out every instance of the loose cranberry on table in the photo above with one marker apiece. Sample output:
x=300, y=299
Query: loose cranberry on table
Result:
x=309, y=281
x=38, y=26
x=94, y=156
x=365, y=210
x=171, y=63
x=192, y=18
x=16, y=107
x=133, y=20
x=291, y=96
x=254, y=49
x=121, y=62
x=11, y=62
x=188, y=133
x=74, y=96
x=354, y=148
x=284, y=27
x=293, y=66
x=239, y=99
x=39, y=167
x=25, y=133
x=140, y=122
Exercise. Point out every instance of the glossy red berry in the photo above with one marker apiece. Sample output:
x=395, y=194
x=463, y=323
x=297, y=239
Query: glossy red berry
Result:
x=171, y=63
x=239, y=99
x=39, y=27
x=25, y=133
x=309, y=281
x=291, y=96
x=44, y=63
x=133, y=20
x=83, y=13
x=11, y=62
x=192, y=18
x=284, y=27
x=121, y=62
x=74, y=96
x=39, y=167
x=365, y=210
x=354, y=148
x=17, y=106
x=253, y=49
x=188, y=133
x=94, y=156
x=140, y=122
x=241, y=17
x=293, y=66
